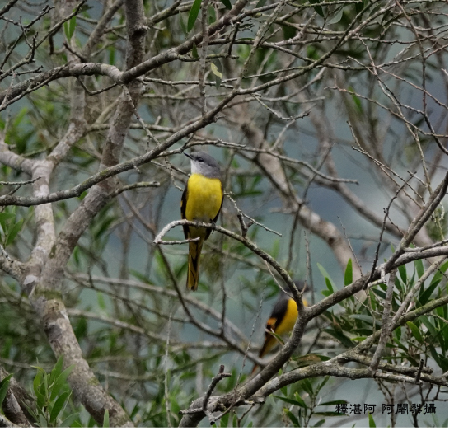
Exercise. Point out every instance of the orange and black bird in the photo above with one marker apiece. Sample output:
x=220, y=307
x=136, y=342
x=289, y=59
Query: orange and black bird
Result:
x=282, y=318
x=201, y=201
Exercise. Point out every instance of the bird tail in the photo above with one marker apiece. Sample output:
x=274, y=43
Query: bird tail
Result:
x=268, y=344
x=193, y=274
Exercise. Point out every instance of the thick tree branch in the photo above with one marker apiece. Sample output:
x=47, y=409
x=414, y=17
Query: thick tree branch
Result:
x=51, y=311
x=16, y=403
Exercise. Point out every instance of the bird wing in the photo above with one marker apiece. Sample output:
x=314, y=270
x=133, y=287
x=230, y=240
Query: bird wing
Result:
x=183, y=210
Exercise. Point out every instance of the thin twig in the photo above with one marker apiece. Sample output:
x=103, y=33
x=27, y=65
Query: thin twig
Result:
x=211, y=388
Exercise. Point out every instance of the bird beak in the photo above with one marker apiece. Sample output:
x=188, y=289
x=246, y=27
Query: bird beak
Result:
x=187, y=155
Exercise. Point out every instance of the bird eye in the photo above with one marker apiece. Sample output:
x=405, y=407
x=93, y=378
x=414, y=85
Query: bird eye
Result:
x=200, y=160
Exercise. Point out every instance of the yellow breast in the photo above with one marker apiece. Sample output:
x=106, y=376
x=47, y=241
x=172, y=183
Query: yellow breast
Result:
x=204, y=197
x=289, y=319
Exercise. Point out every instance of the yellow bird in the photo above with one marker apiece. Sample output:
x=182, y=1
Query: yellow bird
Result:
x=282, y=319
x=201, y=201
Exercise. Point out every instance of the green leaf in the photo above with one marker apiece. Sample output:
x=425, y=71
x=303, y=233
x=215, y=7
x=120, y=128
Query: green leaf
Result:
x=182, y=24
x=425, y=296
x=419, y=266
x=4, y=388
x=217, y=71
x=4, y=219
x=318, y=9
x=69, y=420
x=292, y=401
x=312, y=52
x=284, y=390
x=400, y=286
x=329, y=285
x=211, y=15
x=426, y=321
x=20, y=116
x=327, y=280
x=288, y=32
x=337, y=17
x=292, y=417
x=441, y=338
x=80, y=328
x=106, y=419
x=112, y=55
x=403, y=273
x=42, y=421
x=227, y=4
x=134, y=411
x=21, y=142
x=348, y=273
x=59, y=404
x=224, y=420
x=57, y=370
x=195, y=52
x=341, y=337
x=30, y=411
x=69, y=27
x=44, y=385
x=371, y=422
x=6, y=348
x=434, y=354
x=366, y=333
x=100, y=301
x=442, y=362
x=234, y=421
x=40, y=400
x=37, y=380
x=12, y=233
x=60, y=382
x=365, y=318
x=300, y=401
x=65, y=26
x=322, y=384
x=443, y=267
x=140, y=276
x=194, y=11
x=437, y=277
x=356, y=99
x=442, y=312
x=72, y=25
x=307, y=386
x=174, y=405
x=334, y=402
x=359, y=6
x=379, y=293
x=415, y=331
x=308, y=359
x=443, y=328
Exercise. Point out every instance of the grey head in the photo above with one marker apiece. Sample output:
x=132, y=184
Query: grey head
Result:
x=204, y=164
